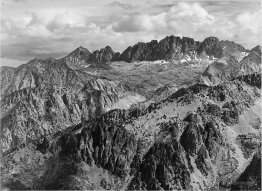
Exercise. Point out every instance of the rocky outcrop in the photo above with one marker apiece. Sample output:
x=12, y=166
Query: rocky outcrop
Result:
x=211, y=47
x=104, y=55
x=170, y=47
x=163, y=167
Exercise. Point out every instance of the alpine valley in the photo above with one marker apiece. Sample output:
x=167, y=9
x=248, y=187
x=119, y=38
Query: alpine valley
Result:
x=174, y=114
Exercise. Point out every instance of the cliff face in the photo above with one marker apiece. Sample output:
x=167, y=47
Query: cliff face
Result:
x=192, y=140
x=104, y=55
x=225, y=69
x=168, y=48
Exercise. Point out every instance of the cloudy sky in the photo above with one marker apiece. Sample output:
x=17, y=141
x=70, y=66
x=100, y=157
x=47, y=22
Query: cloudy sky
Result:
x=53, y=28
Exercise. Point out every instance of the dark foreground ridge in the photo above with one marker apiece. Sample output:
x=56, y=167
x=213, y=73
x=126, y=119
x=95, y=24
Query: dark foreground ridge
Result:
x=183, y=146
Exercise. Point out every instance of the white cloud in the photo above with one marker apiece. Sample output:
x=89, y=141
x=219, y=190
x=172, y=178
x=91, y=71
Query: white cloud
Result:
x=250, y=21
x=37, y=30
x=182, y=13
x=120, y=5
x=67, y=19
x=193, y=12
x=134, y=23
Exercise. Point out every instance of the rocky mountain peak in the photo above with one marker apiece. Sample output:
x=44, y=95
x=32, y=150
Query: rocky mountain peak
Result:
x=257, y=49
x=80, y=52
x=104, y=55
x=108, y=49
x=211, y=47
x=78, y=57
x=34, y=60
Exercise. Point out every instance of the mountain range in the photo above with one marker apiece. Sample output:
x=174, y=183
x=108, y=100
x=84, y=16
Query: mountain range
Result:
x=168, y=115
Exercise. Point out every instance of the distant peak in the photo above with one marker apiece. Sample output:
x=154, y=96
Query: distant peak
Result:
x=257, y=49
x=81, y=48
x=108, y=47
x=211, y=38
x=35, y=60
x=80, y=51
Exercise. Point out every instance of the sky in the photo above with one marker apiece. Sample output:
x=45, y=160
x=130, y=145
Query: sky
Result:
x=53, y=28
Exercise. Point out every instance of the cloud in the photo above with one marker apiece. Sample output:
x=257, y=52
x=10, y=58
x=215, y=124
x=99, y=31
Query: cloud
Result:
x=250, y=21
x=67, y=19
x=120, y=5
x=194, y=13
x=43, y=25
x=134, y=23
x=178, y=14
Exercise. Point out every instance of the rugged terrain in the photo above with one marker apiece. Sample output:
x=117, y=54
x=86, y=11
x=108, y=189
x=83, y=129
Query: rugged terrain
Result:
x=173, y=114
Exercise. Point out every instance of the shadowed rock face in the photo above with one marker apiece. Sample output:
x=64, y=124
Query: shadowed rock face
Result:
x=168, y=48
x=252, y=79
x=250, y=179
x=164, y=167
x=211, y=46
x=104, y=55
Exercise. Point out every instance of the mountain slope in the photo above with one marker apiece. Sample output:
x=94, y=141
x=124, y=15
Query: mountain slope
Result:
x=134, y=121
x=190, y=140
